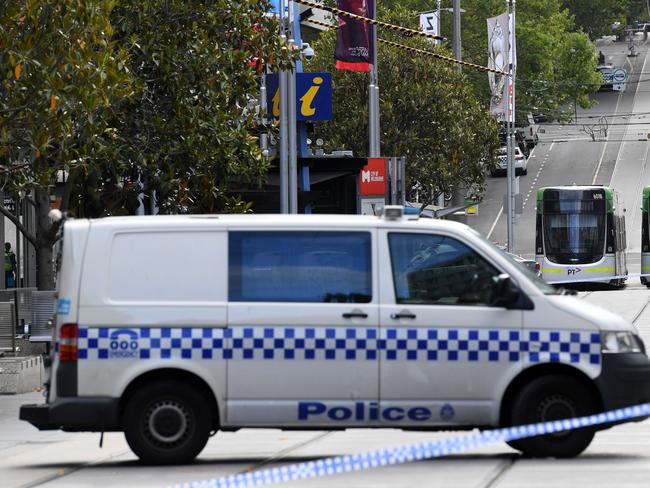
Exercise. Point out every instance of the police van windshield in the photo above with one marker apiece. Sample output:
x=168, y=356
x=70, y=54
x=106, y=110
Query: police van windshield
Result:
x=541, y=285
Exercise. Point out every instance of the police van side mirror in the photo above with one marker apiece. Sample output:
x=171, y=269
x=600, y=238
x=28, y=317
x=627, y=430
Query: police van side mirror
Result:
x=504, y=292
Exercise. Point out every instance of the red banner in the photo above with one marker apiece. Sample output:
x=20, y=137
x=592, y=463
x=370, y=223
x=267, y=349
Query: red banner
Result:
x=354, y=44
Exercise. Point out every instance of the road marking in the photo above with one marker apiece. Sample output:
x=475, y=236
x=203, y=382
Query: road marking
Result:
x=636, y=91
x=494, y=224
x=602, y=155
x=551, y=148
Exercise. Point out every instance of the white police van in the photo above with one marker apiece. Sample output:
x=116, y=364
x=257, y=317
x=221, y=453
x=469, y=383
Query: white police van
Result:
x=171, y=328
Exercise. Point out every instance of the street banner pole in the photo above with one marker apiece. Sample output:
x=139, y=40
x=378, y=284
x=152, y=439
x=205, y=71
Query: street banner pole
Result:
x=510, y=114
x=375, y=68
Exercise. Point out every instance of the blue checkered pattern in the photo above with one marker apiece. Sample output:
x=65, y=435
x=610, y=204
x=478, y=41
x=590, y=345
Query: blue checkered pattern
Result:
x=340, y=343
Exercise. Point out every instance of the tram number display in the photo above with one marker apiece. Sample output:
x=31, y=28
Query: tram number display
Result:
x=573, y=206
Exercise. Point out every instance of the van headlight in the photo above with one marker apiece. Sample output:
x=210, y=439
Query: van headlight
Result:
x=617, y=342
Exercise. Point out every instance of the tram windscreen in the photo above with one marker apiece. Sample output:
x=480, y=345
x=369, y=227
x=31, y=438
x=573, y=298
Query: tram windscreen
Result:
x=574, y=231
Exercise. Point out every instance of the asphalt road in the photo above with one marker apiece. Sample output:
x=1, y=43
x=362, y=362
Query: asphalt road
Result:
x=567, y=154
x=617, y=457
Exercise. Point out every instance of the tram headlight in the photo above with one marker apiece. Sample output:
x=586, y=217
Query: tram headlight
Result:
x=619, y=342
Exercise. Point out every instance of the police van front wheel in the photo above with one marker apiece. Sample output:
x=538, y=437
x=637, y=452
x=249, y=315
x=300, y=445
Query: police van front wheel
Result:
x=552, y=398
x=167, y=423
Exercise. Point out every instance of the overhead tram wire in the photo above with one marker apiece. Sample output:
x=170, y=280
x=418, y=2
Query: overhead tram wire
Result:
x=403, y=30
x=482, y=68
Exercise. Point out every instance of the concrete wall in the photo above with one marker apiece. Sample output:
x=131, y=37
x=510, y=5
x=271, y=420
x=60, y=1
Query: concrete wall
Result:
x=21, y=375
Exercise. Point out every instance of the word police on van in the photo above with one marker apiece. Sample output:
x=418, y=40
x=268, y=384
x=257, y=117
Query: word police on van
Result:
x=320, y=322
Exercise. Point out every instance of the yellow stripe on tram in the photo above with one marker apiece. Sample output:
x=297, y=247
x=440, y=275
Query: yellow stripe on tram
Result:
x=645, y=268
x=586, y=270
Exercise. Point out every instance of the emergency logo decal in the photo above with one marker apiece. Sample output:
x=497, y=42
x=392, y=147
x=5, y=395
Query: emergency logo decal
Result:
x=63, y=307
x=447, y=412
x=340, y=344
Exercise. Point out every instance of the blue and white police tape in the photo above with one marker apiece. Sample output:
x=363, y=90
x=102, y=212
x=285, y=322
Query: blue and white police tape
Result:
x=413, y=452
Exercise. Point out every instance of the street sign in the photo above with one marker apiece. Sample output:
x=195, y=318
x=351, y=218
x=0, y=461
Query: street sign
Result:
x=471, y=206
x=10, y=204
x=617, y=78
x=313, y=96
x=372, y=179
x=619, y=75
x=429, y=22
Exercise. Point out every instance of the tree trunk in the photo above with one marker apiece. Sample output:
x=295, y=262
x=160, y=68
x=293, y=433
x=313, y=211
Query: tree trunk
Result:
x=45, y=247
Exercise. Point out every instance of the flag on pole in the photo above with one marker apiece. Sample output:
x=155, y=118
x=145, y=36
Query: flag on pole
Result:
x=354, y=44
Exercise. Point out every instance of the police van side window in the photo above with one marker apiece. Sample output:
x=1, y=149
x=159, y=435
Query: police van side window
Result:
x=438, y=270
x=300, y=267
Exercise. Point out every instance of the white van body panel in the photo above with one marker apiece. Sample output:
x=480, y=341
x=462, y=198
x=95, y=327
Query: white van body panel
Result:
x=141, y=293
x=72, y=256
x=152, y=293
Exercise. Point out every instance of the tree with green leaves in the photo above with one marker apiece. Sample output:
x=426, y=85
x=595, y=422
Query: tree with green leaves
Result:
x=188, y=133
x=596, y=17
x=429, y=114
x=123, y=98
x=60, y=75
x=548, y=43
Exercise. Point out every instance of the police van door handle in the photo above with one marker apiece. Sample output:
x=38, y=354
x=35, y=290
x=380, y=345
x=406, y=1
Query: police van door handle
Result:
x=404, y=314
x=355, y=314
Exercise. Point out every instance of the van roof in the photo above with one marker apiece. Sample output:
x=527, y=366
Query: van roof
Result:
x=262, y=220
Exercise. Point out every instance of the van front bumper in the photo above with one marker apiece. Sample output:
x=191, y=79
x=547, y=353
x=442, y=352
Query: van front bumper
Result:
x=94, y=414
x=624, y=380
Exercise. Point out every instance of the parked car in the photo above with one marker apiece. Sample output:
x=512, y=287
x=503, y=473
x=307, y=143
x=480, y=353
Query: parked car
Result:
x=607, y=72
x=521, y=163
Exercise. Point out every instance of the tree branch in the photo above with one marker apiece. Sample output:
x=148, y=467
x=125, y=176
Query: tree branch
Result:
x=67, y=189
x=28, y=235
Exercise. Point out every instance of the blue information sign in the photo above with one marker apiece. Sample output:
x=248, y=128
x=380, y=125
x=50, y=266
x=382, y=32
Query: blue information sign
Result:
x=313, y=96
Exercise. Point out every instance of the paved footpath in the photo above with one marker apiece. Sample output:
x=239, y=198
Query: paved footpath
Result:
x=618, y=457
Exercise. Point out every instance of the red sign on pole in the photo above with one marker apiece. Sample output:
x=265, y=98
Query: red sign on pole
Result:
x=372, y=180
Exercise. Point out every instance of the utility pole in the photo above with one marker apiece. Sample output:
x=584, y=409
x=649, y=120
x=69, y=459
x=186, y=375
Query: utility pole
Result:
x=284, y=123
x=374, y=149
x=457, y=43
x=438, y=25
x=458, y=196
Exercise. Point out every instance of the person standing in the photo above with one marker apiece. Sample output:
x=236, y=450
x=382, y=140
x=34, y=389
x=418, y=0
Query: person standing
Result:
x=10, y=267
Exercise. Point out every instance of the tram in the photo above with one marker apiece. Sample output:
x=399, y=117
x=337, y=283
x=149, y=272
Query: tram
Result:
x=645, y=237
x=580, y=235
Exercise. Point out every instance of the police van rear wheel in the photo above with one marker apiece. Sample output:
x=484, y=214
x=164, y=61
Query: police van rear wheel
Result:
x=553, y=398
x=167, y=423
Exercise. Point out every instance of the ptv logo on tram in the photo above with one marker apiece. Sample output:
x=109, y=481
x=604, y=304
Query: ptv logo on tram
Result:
x=573, y=271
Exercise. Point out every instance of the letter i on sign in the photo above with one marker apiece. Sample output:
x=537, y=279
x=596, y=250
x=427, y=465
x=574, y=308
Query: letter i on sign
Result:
x=305, y=108
x=276, y=103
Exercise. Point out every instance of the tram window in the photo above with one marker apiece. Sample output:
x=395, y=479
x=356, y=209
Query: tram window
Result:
x=574, y=238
